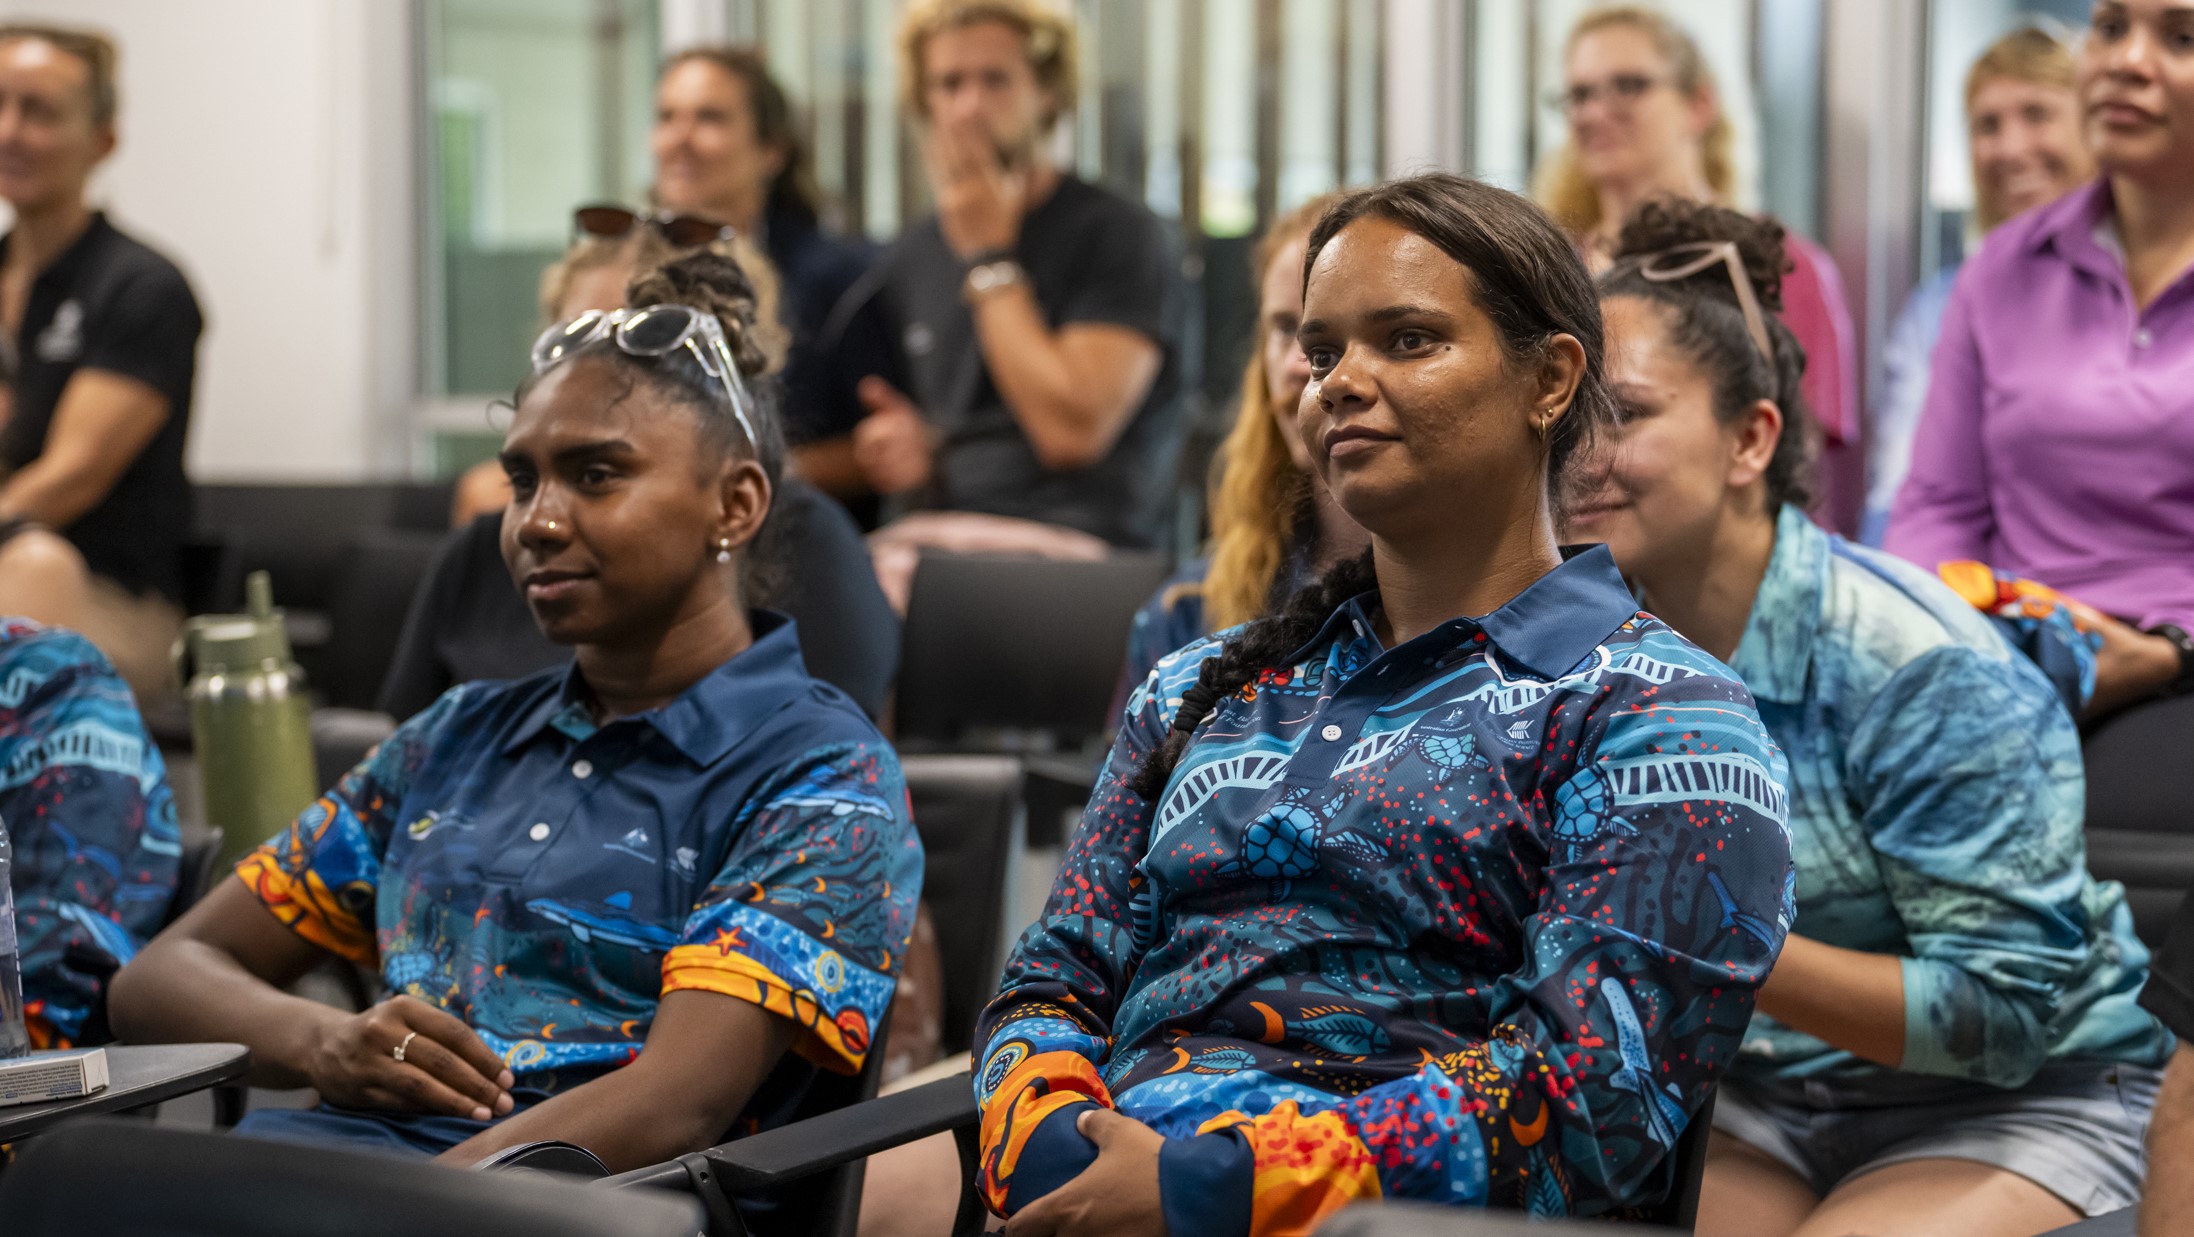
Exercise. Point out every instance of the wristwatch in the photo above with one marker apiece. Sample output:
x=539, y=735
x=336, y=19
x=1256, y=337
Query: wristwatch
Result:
x=990, y=274
x=2183, y=682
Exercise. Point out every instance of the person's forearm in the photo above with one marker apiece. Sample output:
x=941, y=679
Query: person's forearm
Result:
x=829, y=465
x=2167, y=1205
x=53, y=492
x=630, y=1118
x=1065, y=426
x=1851, y=999
x=183, y=991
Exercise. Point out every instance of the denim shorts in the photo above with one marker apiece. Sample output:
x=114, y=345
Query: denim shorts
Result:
x=2076, y=1130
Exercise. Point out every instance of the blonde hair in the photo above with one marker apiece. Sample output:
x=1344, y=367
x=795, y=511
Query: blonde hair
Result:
x=1258, y=496
x=95, y=50
x=1047, y=35
x=646, y=252
x=1562, y=187
x=2029, y=54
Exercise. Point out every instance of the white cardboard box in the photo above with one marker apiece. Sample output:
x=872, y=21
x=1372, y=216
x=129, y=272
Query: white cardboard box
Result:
x=43, y=1076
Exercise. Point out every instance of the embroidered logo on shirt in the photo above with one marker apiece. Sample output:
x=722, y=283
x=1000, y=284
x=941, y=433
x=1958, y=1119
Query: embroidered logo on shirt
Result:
x=63, y=338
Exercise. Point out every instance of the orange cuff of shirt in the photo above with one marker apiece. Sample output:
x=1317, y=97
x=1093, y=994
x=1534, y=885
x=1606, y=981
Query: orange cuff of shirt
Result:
x=1034, y=1090
x=1307, y=1167
x=838, y=1044
x=306, y=906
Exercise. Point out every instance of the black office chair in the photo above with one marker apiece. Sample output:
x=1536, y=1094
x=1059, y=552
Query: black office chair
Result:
x=1016, y=644
x=198, y=868
x=114, y=1178
x=1423, y=1220
x=968, y=812
x=367, y=600
x=2148, y=845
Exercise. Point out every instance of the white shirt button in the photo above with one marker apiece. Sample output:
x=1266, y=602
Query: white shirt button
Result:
x=539, y=832
x=1330, y=733
x=2143, y=338
x=582, y=769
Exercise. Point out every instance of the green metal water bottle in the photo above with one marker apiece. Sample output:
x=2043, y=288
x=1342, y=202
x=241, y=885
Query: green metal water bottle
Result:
x=250, y=720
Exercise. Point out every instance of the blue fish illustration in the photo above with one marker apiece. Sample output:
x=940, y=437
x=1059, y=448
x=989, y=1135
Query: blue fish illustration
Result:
x=604, y=922
x=1665, y=1117
x=1221, y=1061
x=1584, y=813
x=1342, y=1032
x=835, y=796
x=1741, y=920
x=109, y=935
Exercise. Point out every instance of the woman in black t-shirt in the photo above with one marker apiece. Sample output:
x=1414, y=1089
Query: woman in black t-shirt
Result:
x=107, y=334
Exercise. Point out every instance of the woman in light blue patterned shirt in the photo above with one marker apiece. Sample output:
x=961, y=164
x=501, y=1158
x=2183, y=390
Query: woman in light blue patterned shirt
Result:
x=1950, y=1041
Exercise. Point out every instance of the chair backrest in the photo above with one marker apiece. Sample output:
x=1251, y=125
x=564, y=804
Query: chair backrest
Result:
x=366, y=604
x=194, y=873
x=968, y=812
x=2137, y=828
x=102, y=1177
x=1017, y=643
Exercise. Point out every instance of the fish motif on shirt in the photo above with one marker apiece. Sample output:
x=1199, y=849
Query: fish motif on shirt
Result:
x=1665, y=1116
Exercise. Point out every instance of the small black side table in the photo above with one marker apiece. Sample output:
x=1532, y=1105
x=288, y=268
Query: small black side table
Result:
x=137, y=1075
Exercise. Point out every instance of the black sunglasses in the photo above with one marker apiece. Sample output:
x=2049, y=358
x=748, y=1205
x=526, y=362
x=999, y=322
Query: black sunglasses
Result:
x=684, y=231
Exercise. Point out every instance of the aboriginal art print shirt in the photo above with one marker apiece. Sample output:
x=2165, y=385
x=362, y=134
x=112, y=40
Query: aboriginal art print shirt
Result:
x=1475, y=920
x=547, y=880
x=1936, y=802
x=84, y=797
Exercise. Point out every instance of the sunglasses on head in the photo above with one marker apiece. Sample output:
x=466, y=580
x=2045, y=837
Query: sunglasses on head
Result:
x=684, y=231
x=1680, y=262
x=654, y=331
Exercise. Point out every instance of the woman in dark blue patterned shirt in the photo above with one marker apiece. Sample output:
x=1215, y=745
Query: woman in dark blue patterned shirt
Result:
x=1454, y=879
x=608, y=898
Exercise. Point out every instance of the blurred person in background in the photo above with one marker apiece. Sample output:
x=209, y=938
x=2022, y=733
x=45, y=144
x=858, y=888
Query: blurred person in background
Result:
x=2022, y=121
x=726, y=148
x=2055, y=443
x=1646, y=120
x=1014, y=356
x=106, y=334
x=1274, y=527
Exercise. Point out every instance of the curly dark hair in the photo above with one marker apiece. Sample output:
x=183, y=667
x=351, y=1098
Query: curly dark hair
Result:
x=1527, y=278
x=715, y=284
x=1706, y=322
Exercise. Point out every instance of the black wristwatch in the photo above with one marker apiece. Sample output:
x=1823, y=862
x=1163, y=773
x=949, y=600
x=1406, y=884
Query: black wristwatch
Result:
x=2182, y=683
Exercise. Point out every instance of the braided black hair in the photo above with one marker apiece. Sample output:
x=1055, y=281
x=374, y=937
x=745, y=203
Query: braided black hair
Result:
x=1260, y=645
x=1706, y=322
x=1526, y=277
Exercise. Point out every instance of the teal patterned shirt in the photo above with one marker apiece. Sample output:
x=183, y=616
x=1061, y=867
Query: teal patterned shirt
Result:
x=1936, y=799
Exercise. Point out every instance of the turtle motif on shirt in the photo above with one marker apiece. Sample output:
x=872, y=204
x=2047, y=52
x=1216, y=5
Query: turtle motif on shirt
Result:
x=1282, y=844
x=1584, y=813
x=1447, y=744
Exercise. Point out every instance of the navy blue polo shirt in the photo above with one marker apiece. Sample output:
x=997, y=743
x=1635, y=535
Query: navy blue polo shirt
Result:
x=547, y=880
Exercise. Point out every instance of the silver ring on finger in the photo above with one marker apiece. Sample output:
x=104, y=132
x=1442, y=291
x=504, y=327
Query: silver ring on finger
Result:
x=398, y=1050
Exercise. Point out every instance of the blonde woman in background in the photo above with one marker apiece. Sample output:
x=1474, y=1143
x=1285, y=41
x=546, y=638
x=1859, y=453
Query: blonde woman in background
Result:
x=1646, y=121
x=2022, y=123
x=1273, y=526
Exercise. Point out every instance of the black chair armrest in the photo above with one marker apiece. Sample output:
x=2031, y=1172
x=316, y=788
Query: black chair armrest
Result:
x=804, y=1148
x=819, y=1144
x=546, y=1156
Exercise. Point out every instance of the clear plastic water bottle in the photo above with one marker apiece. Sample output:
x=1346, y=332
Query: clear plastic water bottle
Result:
x=14, y=1036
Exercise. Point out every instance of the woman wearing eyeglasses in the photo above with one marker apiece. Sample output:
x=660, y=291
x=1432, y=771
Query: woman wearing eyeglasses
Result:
x=633, y=902
x=1646, y=121
x=1950, y=1041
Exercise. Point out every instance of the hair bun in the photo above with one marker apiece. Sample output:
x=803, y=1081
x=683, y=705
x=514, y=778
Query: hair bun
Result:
x=713, y=283
x=1665, y=223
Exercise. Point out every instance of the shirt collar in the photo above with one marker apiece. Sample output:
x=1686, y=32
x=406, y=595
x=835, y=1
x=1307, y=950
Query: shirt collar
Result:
x=2067, y=227
x=709, y=718
x=1547, y=629
x=1776, y=651
x=73, y=256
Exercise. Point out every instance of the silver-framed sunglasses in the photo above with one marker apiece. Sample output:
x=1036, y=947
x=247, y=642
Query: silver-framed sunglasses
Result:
x=653, y=331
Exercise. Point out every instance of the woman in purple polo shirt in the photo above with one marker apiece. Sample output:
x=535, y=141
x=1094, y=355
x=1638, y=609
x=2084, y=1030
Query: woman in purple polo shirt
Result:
x=2057, y=441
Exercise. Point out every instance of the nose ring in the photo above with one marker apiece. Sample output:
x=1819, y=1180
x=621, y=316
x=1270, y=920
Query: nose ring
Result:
x=549, y=524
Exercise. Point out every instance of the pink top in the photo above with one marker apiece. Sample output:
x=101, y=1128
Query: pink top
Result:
x=2057, y=441
x=1815, y=312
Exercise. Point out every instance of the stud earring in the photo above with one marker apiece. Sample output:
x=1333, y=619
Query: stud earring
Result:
x=723, y=550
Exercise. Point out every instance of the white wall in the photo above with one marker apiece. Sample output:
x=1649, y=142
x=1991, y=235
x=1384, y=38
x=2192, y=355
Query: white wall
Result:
x=265, y=147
